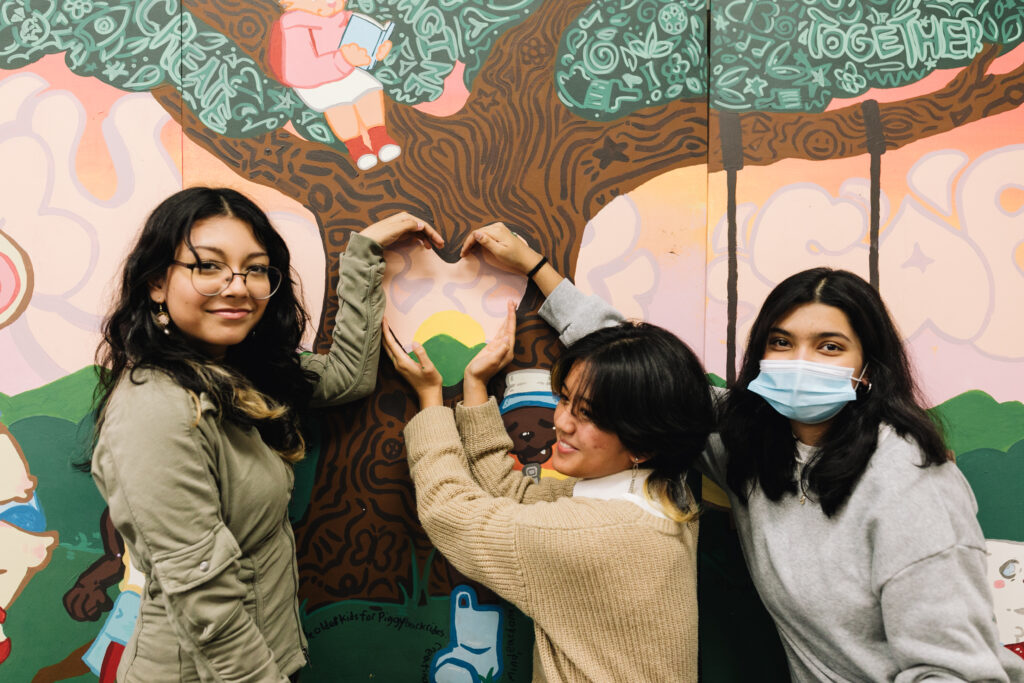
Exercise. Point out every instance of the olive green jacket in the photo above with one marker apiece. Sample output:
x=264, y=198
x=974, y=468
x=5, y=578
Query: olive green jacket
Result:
x=202, y=505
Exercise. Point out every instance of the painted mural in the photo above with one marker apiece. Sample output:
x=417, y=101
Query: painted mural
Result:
x=676, y=157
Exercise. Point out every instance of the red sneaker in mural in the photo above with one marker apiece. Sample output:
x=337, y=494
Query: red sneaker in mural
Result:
x=1017, y=649
x=363, y=156
x=5, y=644
x=385, y=148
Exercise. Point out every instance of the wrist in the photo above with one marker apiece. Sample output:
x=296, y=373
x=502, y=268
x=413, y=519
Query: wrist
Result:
x=474, y=391
x=528, y=260
x=541, y=262
x=430, y=397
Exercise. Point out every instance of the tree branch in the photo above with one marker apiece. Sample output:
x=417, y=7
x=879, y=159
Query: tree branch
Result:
x=971, y=95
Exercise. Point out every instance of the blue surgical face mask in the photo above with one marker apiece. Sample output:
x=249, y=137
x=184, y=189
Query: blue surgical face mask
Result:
x=805, y=391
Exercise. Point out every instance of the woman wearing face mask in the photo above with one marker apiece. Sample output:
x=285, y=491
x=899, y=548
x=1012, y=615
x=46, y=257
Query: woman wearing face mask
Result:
x=201, y=385
x=603, y=561
x=859, y=533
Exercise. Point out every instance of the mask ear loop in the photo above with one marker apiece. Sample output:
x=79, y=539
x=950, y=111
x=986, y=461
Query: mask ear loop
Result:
x=860, y=380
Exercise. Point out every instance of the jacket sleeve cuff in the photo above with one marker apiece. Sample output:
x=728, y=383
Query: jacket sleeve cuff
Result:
x=365, y=249
x=574, y=315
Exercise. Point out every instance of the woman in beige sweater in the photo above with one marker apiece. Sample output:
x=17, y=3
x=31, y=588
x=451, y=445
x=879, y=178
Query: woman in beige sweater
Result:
x=604, y=561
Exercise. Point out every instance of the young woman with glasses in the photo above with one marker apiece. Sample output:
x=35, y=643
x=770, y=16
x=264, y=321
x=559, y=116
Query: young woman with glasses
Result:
x=201, y=386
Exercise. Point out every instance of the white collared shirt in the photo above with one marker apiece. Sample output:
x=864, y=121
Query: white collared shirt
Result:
x=616, y=487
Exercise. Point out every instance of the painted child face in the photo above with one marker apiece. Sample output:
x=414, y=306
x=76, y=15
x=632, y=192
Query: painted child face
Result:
x=22, y=554
x=532, y=432
x=214, y=323
x=583, y=449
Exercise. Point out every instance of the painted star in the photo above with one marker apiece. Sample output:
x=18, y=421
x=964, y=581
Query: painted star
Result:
x=755, y=86
x=611, y=151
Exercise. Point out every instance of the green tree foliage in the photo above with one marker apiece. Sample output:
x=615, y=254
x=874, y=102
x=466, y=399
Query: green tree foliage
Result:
x=797, y=55
x=623, y=55
x=617, y=57
x=138, y=45
x=781, y=55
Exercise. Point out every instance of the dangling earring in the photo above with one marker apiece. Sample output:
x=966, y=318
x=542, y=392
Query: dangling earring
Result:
x=161, y=318
x=636, y=468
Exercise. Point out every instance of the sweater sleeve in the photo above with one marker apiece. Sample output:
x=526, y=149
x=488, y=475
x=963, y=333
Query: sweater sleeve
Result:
x=476, y=532
x=950, y=636
x=348, y=371
x=487, y=445
x=574, y=315
x=929, y=566
x=155, y=467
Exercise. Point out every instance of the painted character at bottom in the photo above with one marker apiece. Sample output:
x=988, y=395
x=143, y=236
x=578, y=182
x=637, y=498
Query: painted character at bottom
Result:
x=1006, y=576
x=25, y=547
x=474, y=649
x=527, y=410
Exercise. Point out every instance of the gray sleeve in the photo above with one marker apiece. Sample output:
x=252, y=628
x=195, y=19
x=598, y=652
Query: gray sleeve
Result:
x=574, y=315
x=929, y=572
x=712, y=461
x=939, y=622
x=348, y=371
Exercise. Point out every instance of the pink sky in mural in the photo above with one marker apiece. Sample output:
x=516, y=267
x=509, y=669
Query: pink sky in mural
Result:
x=75, y=221
x=950, y=206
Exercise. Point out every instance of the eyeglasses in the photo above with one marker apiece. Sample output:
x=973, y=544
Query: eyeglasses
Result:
x=211, y=278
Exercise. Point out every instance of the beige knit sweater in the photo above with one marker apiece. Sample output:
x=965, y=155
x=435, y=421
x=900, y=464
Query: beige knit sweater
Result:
x=611, y=588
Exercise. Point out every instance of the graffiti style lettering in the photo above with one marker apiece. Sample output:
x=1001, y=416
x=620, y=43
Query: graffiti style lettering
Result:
x=911, y=39
x=811, y=52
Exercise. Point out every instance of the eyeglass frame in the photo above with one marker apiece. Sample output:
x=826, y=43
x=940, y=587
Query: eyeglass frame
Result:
x=227, y=283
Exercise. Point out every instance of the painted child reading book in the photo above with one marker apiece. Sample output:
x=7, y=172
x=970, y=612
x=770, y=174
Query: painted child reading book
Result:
x=324, y=53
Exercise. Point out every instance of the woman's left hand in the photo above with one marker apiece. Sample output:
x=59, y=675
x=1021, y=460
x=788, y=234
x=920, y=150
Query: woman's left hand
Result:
x=422, y=376
x=492, y=358
x=389, y=230
x=498, y=352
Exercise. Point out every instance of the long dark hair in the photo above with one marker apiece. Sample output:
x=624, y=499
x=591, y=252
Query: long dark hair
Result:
x=646, y=386
x=259, y=382
x=760, y=442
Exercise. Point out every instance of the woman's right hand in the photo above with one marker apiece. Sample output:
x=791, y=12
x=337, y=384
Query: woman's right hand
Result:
x=505, y=245
x=387, y=231
x=421, y=375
